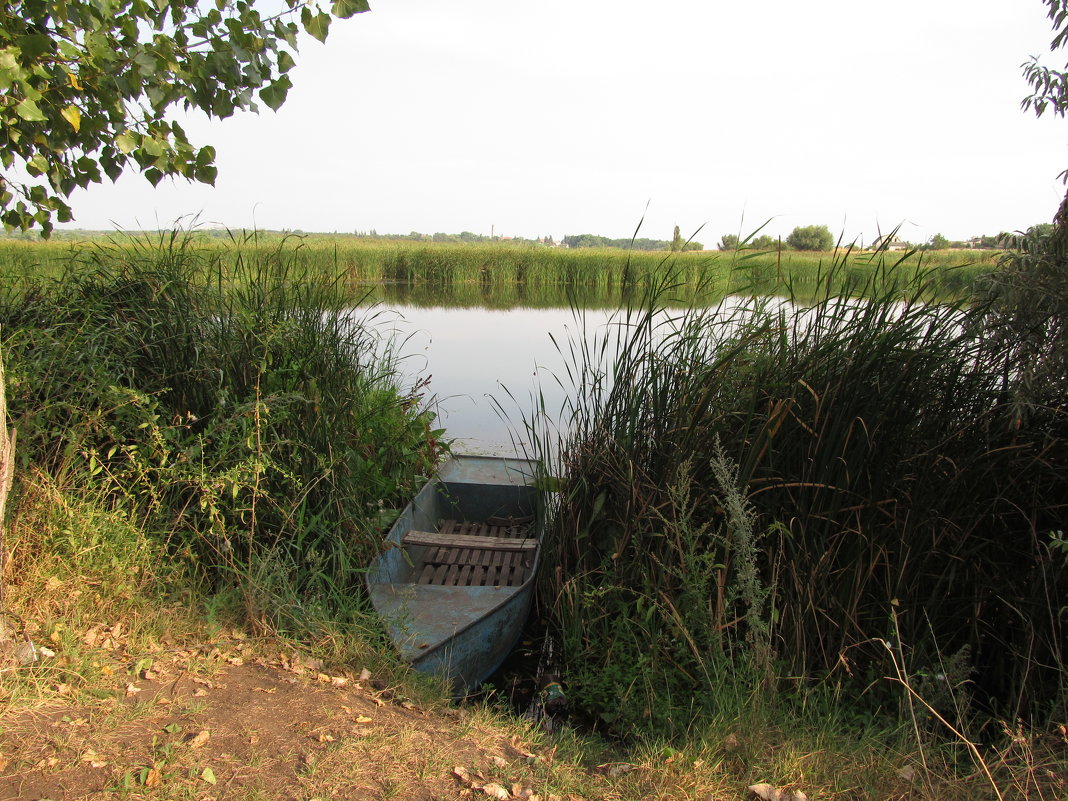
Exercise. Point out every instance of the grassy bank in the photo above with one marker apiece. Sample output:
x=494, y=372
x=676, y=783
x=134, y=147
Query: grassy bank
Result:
x=511, y=274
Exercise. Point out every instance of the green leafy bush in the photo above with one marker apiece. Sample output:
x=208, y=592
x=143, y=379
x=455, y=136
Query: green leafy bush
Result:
x=250, y=418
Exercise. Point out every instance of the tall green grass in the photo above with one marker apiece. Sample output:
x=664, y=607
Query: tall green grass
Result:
x=238, y=410
x=755, y=500
x=507, y=273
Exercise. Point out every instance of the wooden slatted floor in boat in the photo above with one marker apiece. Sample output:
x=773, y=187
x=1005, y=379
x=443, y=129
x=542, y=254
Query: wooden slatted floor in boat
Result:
x=498, y=552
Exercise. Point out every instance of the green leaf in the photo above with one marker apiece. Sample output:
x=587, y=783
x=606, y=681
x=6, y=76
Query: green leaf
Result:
x=34, y=45
x=38, y=165
x=152, y=147
x=125, y=142
x=206, y=175
x=154, y=176
x=274, y=95
x=208, y=775
x=10, y=71
x=346, y=8
x=285, y=62
x=205, y=156
x=318, y=25
x=29, y=111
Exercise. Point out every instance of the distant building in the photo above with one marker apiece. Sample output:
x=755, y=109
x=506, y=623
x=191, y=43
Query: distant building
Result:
x=889, y=242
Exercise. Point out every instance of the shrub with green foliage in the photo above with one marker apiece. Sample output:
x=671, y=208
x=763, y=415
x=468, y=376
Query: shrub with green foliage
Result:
x=254, y=422
x=810, y=237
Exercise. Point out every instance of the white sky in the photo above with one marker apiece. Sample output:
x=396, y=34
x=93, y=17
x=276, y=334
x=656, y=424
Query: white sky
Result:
x=570, y=116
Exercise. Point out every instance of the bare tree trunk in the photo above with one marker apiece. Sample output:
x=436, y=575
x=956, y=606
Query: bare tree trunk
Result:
x=7, y=469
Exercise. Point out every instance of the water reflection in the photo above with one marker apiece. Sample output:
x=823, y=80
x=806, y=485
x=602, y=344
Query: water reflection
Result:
x=481, y=361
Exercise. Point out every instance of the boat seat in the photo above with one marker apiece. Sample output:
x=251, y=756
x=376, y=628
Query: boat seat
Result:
x=435, y=538
x=468, y=554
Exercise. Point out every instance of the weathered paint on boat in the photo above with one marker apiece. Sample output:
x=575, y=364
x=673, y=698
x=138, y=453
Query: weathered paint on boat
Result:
x=461, y=633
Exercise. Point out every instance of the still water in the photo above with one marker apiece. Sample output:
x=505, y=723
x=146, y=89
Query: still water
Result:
x=486, y=366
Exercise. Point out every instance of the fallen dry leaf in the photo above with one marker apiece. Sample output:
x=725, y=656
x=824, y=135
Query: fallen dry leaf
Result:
x=199, y=692
x=94, y=759
x=152, y=777
x=363, y=719
x=132, y=689
x=614, y=769
x=338, y=681
x=163, y=700
x=199, y=739
x=268, y=690
x=494, y=790
x=769, y=792
x=500, y=762
x=462, y=774
x=365, y=674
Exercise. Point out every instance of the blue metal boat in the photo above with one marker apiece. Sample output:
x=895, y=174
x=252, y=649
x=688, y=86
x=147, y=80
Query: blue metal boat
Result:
x=455, y=584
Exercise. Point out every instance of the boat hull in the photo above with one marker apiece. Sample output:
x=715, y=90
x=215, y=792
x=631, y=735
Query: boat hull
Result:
x=461, y=633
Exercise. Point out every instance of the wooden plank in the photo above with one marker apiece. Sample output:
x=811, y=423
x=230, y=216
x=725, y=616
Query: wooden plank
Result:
x=464, y=579
x=452, y=575
x=469, y=541
x=427, y=574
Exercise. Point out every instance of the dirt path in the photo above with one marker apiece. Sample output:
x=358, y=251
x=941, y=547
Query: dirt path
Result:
x=212, y=724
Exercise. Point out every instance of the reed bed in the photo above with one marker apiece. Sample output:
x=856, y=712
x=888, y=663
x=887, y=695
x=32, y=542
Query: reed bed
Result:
x=524, y=272
x=238, y=411
x=760, y=505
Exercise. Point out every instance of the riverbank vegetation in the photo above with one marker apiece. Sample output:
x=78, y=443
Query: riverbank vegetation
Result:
x=821, y=551
x=853, y=511
x=503, y=274
x=253, y=426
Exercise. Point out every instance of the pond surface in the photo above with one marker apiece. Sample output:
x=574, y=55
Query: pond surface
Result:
x=486, y=366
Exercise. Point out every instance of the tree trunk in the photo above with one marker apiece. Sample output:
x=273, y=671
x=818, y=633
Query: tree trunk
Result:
x=7, y=468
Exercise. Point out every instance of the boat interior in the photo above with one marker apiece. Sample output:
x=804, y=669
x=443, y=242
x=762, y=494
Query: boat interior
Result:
x=498, y=552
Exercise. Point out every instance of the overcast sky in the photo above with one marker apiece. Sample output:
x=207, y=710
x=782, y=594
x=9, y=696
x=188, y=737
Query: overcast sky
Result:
x=574, y=116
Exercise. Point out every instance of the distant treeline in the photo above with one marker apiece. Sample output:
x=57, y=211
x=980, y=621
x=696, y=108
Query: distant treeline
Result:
x=595, y=241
